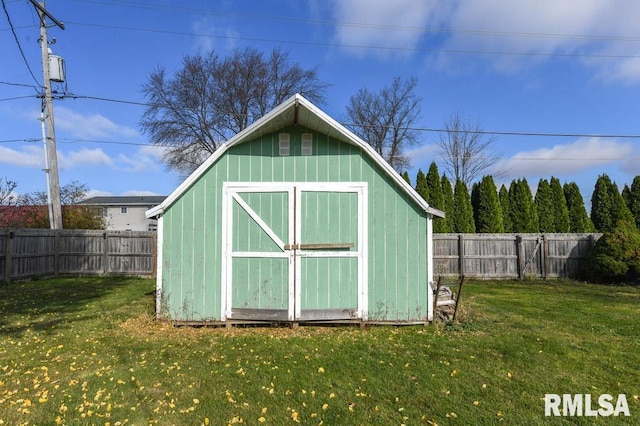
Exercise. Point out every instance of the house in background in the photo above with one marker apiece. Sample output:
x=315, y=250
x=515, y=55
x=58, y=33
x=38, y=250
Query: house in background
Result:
x=295, y=219
x=126, y=213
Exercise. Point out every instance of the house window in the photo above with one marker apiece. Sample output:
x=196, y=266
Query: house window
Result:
x=284, y=146
x=123, y=209
x=307, y=144
x=153, y=227
x=105, y=212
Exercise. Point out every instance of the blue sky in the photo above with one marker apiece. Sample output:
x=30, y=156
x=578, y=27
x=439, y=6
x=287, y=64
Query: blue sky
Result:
x=527, y=67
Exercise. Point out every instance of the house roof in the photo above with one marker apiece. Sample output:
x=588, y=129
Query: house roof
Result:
x=295, y=110
x=146, y=200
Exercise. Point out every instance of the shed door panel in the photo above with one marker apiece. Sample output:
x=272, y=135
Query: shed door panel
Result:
x=295, y=251
x=328, y=288
x=259, y=266
x=260, y=289
x=328, y=262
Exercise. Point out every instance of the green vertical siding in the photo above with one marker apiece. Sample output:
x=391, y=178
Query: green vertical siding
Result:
x=260, y=283
x=329, y=283
x=192, y=251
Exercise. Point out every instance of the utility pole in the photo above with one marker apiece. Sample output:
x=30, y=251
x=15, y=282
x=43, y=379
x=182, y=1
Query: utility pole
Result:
x=52, y=156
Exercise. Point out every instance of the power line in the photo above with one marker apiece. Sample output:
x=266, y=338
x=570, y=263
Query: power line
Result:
x=98, y=98
x=68, y=140
x=19, y=85
x=107, y=142
x=420, y=129
x=18, y=97
x=430, y=129
x=15, y=36
x=306, y=20
x=357, y=46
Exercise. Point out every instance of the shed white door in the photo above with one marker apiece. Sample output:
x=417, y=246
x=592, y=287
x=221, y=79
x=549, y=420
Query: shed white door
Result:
x=294, y=251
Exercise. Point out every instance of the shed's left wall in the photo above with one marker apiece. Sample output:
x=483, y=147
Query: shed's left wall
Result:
x=191, y=254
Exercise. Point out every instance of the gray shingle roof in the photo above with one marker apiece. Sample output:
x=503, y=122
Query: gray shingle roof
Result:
x=134, y=200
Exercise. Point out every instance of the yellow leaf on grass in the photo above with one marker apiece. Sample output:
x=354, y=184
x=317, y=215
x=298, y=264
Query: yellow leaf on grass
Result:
x=325, y=406
x=320, y=370
x=262, y=419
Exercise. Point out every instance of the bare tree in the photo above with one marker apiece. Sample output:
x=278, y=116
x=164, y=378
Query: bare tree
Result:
x=466, y=151
x=385, y=119
x=210, y=99
x=7, y=197
x=32, y=211
x=70, y=194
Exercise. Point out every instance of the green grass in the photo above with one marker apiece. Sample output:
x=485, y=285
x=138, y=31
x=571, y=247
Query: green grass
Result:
x=87, y=351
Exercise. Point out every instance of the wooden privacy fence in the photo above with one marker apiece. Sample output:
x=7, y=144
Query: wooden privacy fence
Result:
x=33, y=253
x=510, y=255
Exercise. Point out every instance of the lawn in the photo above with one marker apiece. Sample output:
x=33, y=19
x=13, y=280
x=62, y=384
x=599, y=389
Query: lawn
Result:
x=87, y=351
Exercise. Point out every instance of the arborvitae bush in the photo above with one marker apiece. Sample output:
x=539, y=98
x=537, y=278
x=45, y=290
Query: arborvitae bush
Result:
x=579, y=220
x=486, y=207
x=462, y=210
x=503, y=196
x=632, y=198
x=616, y=256
x=447, y=198
x=561, y=217
x=545, y=208
x=435, y=196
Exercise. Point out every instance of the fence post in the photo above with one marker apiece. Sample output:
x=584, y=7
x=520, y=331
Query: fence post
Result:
x=8, y=248
x=461, y=254
x=520, y=257
x=545, y=256
x=105, y=254
x=56, y=252
x=154, y=255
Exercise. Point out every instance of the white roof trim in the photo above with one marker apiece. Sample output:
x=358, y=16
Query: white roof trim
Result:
x=244, y=135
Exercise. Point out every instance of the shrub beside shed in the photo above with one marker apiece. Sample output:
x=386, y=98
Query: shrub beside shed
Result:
x=294, y=219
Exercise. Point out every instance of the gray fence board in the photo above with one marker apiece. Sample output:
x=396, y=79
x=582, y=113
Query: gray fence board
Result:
x=502, y=256
x=32, y=253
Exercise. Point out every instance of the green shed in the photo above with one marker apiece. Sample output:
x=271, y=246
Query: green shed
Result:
x=294, y=219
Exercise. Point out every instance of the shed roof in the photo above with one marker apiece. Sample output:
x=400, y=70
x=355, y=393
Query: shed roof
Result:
x=128, y=200
x=295, y=110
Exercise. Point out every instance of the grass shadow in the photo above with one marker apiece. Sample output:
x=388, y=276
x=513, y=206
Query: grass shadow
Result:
x=45, y=305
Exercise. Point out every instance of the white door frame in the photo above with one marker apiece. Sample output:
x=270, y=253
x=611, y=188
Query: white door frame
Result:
x=360, y=188
x=230, y=191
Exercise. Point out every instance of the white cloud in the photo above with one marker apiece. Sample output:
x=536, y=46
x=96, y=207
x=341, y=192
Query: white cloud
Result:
x=148, y=157
x=135, y=192
x=526, y=32
x=541, y=27
x=387, y=24
x=84, y=157
x=90, y=125
x=422, y=155
x=564, y=160
x=210, y=30
x=97, y=193
x=28, y=156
